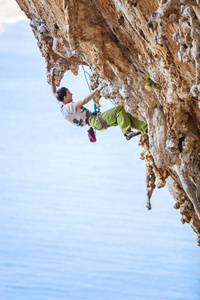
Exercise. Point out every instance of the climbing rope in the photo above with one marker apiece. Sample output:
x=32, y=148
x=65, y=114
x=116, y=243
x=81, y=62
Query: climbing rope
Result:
x=145, y=137
x=96, y=105
x=176, y=176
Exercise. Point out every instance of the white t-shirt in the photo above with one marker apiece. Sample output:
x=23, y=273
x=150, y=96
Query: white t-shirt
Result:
x=76, y=117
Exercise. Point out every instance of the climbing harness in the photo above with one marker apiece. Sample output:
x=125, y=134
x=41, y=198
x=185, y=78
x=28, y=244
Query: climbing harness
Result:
x=91, y=131
x=89, y=117
x=103, y=123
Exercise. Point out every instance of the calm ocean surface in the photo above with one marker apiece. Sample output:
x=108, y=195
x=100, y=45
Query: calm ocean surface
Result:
x=73, y=217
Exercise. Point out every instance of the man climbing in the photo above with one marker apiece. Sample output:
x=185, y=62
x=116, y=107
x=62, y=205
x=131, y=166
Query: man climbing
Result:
x=78, y=115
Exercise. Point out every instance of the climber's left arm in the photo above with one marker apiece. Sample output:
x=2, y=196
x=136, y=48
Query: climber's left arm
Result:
x=53, y=85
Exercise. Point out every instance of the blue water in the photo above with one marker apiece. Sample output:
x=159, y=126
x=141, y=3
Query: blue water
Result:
x=73, y=218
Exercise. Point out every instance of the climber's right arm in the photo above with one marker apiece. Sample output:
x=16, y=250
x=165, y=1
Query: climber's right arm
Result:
x=86, y=99
x=91, y=95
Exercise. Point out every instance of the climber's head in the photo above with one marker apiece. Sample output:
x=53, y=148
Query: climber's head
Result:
x=61, y=93
x=64, y=95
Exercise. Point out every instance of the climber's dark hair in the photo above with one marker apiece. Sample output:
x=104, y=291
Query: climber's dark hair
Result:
x=61, y=92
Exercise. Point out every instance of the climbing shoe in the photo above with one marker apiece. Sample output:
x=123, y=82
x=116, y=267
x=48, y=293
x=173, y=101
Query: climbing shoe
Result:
x=130, y=134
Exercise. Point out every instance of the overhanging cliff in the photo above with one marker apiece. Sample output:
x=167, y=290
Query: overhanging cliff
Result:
x=149, y=54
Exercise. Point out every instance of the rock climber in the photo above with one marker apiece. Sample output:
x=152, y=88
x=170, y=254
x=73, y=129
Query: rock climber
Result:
x=78, y=115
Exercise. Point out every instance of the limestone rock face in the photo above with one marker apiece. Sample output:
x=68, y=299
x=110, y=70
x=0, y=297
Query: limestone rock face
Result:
x=149, y=54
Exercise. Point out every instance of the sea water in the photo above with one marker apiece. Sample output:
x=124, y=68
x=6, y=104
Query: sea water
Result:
x=73, y=218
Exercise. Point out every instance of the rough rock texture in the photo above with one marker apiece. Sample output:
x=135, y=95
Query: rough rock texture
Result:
x=149, y=54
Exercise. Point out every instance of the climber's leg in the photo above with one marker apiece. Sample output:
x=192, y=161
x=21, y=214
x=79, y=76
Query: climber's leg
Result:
x=109, y=117
x=118, y=116
x=137, y=124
